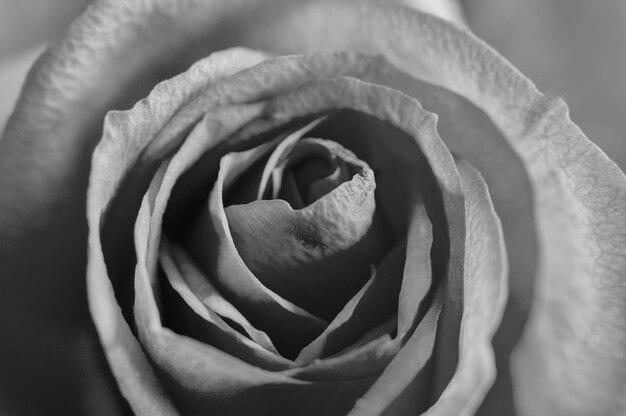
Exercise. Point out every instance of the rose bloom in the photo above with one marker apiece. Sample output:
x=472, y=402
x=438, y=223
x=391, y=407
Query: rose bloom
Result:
x=319, y=208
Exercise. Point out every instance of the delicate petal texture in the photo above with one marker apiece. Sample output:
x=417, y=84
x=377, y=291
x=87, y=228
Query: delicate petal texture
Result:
x=572, y=359
x=12, y=75
x=59, y=114
x=128, y=362
x=314, y=256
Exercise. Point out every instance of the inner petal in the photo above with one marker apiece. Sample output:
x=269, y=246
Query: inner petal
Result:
x=317, y=257
x=318, y=166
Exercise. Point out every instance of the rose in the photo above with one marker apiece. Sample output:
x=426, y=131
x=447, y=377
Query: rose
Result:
x=493, y=99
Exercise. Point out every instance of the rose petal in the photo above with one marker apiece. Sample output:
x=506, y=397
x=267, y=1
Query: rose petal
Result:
x=289, y=191
x=419, y=45
x=376, y=301
x=191, y=369
x=316, y=253
x=212, y=329
x=127, y=361
x=199, y=376
x=401, y=283
x=484, y=363
x=348, y=93
x=366, y=358
x=308, y=100
x=201, y=288
x=297, y=239
x=205, y=136
x=120, y=42
x=485, y=289
x=415, y=284
x=142, y=157
x=572, y=360
x=311, y=97
x=408, y=371
x=212, y=246
x=276, y=158
x=404, y=381
x=469, y=132
x=418, y=276
x=252, y=183
x=321, y=66
x=461, y=75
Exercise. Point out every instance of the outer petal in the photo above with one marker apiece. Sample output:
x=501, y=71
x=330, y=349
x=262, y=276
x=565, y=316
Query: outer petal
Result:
x=572, y=358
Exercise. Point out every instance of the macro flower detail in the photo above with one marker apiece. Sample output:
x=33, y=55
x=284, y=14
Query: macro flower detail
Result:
x=340, y=296
x=331, y=209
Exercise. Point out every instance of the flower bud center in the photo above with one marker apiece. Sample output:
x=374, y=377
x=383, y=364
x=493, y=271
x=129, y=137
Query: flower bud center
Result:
x=311, y=236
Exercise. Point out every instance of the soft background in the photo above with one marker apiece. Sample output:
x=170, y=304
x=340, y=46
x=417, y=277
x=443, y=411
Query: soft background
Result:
x=575, y=49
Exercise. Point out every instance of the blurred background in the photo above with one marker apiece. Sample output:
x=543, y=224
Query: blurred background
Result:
x=575, y=49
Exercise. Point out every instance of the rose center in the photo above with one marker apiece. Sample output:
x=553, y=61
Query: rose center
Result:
x=312, y=235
